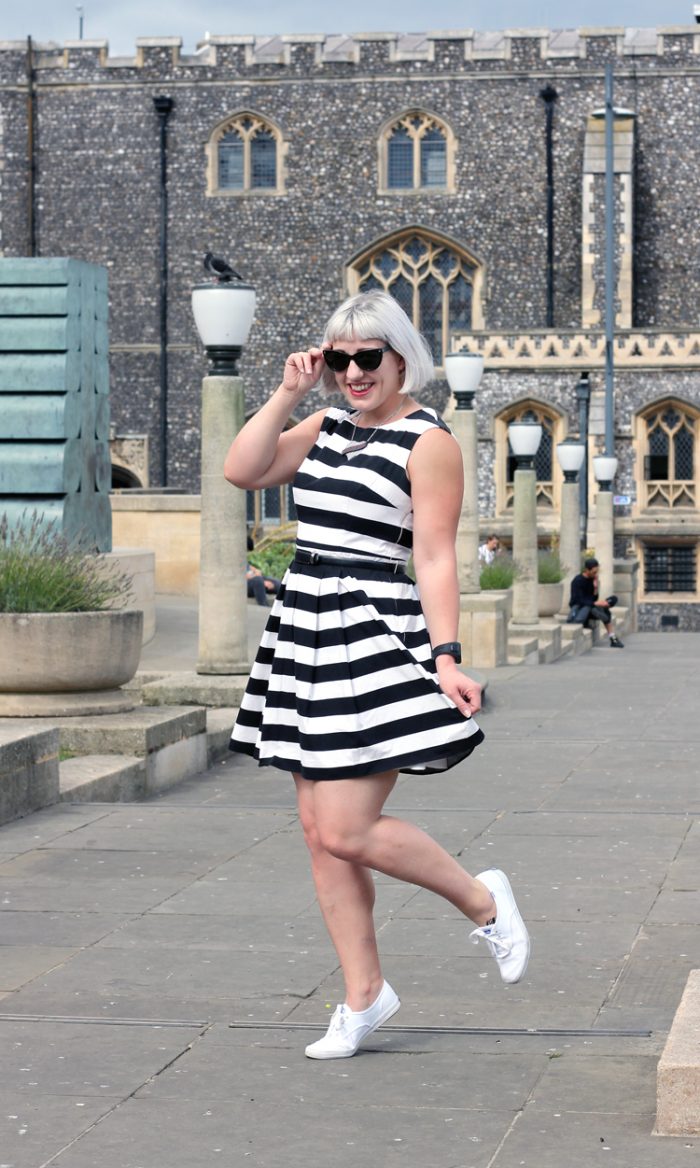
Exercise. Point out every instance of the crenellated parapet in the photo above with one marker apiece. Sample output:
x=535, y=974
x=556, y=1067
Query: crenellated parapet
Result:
x=468, y=50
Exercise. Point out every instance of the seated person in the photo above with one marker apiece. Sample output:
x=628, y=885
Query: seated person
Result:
x=490, y=549
x=585, y=605
x=259, y=585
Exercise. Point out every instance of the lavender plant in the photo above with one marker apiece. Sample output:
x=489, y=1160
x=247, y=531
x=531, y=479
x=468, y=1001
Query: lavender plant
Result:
x=41, y=571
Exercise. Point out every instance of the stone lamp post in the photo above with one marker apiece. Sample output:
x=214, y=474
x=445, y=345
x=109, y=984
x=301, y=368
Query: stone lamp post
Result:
x=604, y=469
x=570, y=455
x=223, y=313
x=525, y=437
x=464, y=372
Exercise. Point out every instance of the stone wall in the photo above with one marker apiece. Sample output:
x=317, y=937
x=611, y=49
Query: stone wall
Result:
x=97, y=140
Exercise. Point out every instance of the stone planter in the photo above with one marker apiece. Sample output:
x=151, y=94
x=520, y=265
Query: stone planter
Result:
x=550, y=598
x=62, y=663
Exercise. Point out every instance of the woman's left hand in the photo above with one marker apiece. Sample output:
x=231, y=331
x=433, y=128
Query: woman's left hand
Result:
x=460, y=689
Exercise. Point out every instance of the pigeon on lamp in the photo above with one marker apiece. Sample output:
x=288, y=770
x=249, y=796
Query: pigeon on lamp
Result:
x=223, y=271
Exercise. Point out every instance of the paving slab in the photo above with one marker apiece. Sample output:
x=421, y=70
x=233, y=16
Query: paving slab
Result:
x=676, y=908
x=47, y=825
x=103, y=896
x=21, y=964
x=155, y=826
x=561, y=901
x=81, y=1059
x=299, y=1135
x=136, y=934
x=243, y=1065
x=35, y=1128
x=73, y=930
x=544, y=1135
x=64, y=865
x=249, y=933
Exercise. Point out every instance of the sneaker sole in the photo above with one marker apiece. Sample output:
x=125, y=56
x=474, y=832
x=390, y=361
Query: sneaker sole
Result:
x=388, y=1013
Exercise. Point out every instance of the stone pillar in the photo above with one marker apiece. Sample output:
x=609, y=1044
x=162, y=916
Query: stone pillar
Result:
x=626, y=583
x=604, y=541
x=525, y=547
x=463, y=426
x=570, y=535
x=223, y=641
x=593, y=219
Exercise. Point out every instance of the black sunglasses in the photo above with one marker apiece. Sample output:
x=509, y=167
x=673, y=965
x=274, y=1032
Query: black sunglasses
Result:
x=365, y=359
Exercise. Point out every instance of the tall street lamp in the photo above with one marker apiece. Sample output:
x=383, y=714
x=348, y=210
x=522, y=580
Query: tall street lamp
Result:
x=604, y=469
x=525, y=437
x=223, y=313
x=570, y=455
x=464, y=372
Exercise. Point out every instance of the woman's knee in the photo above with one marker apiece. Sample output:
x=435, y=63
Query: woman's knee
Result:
x=342, y=843
x=309, y=828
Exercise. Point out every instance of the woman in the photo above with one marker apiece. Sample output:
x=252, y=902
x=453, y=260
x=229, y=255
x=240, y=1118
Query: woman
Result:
x=356, y=678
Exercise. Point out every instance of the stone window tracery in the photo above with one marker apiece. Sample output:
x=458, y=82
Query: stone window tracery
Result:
x=416, y=154
x=669, y=447
x=245, y=157
x=547, y=489
x=437, y=284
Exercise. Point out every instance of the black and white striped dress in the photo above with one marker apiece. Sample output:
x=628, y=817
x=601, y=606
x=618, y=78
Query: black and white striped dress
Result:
x=344, y=683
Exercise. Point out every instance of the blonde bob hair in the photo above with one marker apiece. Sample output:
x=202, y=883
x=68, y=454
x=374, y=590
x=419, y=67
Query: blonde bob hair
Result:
x=377, y=316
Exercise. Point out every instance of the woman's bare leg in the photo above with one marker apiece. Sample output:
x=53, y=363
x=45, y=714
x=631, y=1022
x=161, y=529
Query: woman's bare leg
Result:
x=345, y=893
x=351, y=826
x=347, y=834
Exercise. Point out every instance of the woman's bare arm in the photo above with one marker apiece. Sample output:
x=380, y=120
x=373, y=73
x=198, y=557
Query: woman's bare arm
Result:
x=437, y=482
x=263, y=454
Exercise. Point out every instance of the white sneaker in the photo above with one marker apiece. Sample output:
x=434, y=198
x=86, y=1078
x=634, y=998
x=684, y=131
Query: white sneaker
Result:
x=349, y=1027
x=507, y=937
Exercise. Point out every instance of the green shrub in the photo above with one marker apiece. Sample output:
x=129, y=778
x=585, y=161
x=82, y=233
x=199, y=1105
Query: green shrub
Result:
x=274, y=558
x=499, y=574
x=549, y=568
x=40, y=571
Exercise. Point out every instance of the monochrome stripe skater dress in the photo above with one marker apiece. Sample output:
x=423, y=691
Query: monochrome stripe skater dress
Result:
x=344, y=684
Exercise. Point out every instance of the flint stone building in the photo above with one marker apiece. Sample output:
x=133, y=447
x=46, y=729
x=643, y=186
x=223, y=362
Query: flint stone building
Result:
x=464, y=172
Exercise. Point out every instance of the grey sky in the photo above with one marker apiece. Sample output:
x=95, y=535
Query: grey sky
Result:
x=121, y=21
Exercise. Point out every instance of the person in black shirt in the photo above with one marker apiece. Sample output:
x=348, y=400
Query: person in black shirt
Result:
x=585, y=605
x=257, y=584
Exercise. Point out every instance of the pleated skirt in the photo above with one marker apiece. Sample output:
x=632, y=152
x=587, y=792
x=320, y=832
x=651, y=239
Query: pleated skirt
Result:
x=344, y=684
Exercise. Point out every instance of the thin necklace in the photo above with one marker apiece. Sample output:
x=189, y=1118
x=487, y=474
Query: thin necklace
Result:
x=353, y=446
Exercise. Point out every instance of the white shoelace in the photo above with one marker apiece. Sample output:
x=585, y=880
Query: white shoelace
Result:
x=497, y=945
x=338, y=1020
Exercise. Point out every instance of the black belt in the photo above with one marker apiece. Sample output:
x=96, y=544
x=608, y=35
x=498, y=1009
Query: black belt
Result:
x=303, y=557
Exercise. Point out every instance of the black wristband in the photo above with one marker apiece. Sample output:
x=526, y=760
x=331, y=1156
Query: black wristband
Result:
x=451, y=648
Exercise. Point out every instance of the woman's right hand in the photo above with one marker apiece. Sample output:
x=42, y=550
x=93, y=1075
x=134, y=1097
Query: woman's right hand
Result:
x=301, y=371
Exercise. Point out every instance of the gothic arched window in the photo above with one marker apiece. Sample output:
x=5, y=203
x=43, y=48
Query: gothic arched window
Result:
x=416, y=154
x=545, y=460
x=668, y=440
x=245, y=157
x=437, y=283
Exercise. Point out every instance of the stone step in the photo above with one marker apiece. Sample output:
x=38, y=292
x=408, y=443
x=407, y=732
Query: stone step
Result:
x=195, y=689
x=678, y=1070
x=579, y=639
x=549, y=641
x=112, y=758
x=523, y=650
x=102, y=778
x=172, y=741
x=550, y=652
x=219, y=725
x=28, y=768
